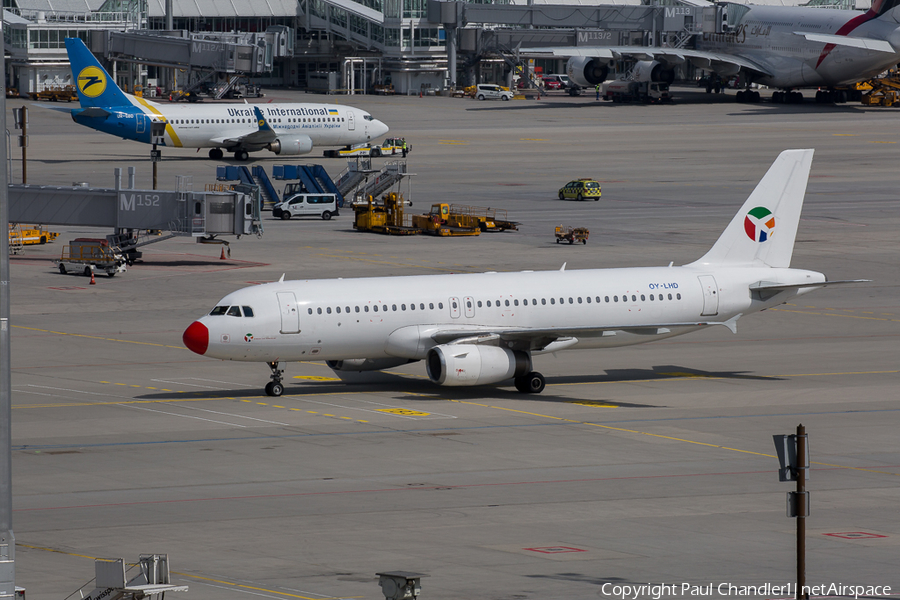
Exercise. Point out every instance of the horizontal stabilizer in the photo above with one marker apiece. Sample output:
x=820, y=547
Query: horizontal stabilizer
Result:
x=771, y=286
x=852, y=42
x=93, y=112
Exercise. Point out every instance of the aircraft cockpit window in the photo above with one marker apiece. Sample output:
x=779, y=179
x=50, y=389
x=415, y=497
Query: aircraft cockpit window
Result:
x=368, y=117
x=234, y=311
x=218, y=311
x=248, y=312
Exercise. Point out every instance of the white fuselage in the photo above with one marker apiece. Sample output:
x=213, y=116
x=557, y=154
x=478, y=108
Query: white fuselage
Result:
x=200, y=126
x=767, y=35
x=396, y=316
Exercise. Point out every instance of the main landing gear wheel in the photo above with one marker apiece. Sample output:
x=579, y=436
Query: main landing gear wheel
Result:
x=216, y=154
x=241, y=155
x=275, y=387
x=533, y=383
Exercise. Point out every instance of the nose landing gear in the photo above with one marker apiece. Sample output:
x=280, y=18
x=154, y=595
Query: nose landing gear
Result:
x=275, y=387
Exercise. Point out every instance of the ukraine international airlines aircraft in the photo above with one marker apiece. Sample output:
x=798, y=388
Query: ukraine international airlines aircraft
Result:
x=484, y=328
x=285, y=129
x=781, y=47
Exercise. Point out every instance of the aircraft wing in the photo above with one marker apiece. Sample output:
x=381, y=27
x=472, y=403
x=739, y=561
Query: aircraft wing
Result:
x=715, y=61
x=853, y=42
x=262, y=136
x=535, y=340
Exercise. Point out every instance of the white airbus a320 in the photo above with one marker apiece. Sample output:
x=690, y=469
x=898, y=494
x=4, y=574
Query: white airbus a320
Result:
x=486, y=328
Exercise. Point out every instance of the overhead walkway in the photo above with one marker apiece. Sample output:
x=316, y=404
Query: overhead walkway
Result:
x=128, y=211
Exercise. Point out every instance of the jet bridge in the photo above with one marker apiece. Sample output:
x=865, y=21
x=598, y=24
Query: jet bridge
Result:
x=129, y=211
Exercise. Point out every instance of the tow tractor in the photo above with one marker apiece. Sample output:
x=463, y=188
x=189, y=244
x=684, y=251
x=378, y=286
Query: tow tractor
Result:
x=86, y=255
x=564, y=233
x=23, y=235
x=390, y=147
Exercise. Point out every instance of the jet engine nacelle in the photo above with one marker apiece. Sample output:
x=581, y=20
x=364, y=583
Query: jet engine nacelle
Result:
x=289, y=146
x=366, y=364
x=652, y=71
x=472, y=364
x=586, y=71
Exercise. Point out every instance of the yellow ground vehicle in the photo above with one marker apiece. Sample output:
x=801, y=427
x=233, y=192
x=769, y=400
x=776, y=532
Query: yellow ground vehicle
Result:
x=56, y=94
x=564, y=233
x=580, y=189
x=383, y=217
x=884, y=91
x=30, y=235
x=445, y=222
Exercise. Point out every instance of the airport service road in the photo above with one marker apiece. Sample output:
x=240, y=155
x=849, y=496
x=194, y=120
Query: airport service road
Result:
x=644, y=464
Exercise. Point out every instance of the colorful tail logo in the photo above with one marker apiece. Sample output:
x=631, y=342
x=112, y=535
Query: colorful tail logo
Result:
x=759, y=224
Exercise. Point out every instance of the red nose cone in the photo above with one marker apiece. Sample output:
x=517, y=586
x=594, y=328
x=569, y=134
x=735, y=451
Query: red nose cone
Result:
x=196, y=337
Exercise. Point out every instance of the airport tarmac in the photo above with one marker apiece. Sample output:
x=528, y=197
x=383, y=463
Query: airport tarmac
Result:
x=646, y=464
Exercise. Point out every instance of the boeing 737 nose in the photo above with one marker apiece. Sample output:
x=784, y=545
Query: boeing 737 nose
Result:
x=196, y=337
x=379, y=129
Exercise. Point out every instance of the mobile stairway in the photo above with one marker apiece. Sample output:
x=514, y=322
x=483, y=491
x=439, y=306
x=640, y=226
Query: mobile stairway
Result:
x=252, y=176
x=313, y=179
x=112, y=581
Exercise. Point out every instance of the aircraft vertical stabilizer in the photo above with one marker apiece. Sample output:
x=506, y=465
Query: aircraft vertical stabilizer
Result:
x=95, y=87
x=763, y=231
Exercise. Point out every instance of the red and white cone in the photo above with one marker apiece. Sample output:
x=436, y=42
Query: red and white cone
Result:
x=93, y=282
x=223, y=254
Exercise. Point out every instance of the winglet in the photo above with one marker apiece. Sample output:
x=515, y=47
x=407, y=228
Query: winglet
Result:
x=261, y=120
x=282, y=278
x=563, y=268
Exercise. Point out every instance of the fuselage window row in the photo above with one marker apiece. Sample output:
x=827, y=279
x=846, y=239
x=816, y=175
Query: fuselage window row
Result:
x=479, y=304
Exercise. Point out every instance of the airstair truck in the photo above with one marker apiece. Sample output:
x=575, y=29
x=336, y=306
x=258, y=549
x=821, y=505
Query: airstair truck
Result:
x=86, y=255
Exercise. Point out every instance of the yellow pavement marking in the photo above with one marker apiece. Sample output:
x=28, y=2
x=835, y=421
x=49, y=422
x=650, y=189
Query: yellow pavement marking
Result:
x=453, y=142
x=533, y=140
x=593, y=403
x=406, y=412
x=200, y=577
x=660, y=436
x=316, y=378
x=97, y=337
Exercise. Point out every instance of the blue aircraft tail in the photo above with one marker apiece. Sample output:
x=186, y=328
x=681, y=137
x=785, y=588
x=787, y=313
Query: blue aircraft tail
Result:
x=95, y=86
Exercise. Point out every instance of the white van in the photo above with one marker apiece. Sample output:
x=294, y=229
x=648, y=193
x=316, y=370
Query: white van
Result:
x=489, y=91
x=307, y=205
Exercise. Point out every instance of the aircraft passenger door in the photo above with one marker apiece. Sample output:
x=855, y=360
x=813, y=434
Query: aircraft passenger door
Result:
x=469, y=305
x=351, y=121
x=290, y=313
x=710, y=295
x=140, y=123
x=454, y=308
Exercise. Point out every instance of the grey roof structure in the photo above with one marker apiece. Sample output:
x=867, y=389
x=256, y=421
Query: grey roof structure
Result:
x=72, y=6
x=225, y=8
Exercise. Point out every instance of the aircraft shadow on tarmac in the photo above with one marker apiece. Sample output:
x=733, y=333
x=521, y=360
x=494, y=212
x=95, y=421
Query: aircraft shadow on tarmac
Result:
x=422, y=390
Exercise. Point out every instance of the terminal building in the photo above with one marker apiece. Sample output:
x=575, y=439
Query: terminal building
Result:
x=330, y=46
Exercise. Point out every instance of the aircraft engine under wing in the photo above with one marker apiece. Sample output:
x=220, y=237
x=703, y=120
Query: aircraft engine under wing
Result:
x=720, y=62
x=292, y=145
x=586, y=71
